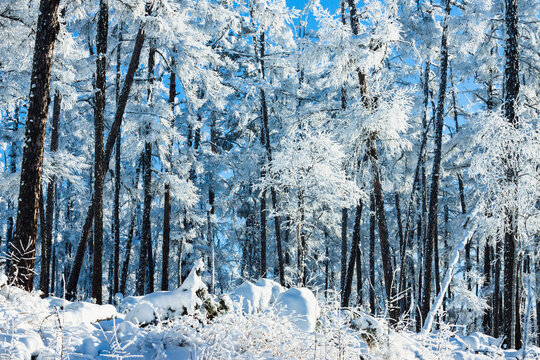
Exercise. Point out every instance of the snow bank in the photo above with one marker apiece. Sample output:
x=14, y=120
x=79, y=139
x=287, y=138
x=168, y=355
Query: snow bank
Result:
x=31, y=342
x=163, y=305
x=258, y=296
x=297, y=303
x=300, y=305
x=78, y=312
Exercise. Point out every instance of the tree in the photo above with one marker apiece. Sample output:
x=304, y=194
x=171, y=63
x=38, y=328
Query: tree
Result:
x=51, y=194
x=24, y=241
x=432, y=235
x=511, y=86
x=99, y=130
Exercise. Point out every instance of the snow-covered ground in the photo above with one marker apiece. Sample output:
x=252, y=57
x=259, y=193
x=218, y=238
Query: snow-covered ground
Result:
x=256, y=321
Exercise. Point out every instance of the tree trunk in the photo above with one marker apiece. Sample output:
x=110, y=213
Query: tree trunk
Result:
x=388, y=270
x=353, y=258
x=145, y=285
x=431, y=238
x=12, y=169
x=99, y=131
x=511, y=87
x=167, y=200
x=21, y=270
x=111, y=140
x=377, y=186
x=372, y=254
x=344, y=220
x=125, y=265
x=118, y=178
x=497, y=299
x=49, y=213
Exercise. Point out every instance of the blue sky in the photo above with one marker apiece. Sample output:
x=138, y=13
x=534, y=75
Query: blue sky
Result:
x=329, y=4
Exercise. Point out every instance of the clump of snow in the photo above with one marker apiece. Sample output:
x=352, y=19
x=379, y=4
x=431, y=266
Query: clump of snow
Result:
x=31, y=341
x=163, y=305
x=78, y=312
x=258, y=296
x=301, y=306
x=128, y=303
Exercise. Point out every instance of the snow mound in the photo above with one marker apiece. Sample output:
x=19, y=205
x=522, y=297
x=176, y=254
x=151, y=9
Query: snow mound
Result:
x=163, y=305
x=300, y=305
x=25, y=346
x=258, y=296
x=78, y=312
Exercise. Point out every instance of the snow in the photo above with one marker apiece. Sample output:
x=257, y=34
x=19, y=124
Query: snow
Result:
x=258, y=296
x=163, y=305
x=283, y=324
x=77, y=312
x=301, y=306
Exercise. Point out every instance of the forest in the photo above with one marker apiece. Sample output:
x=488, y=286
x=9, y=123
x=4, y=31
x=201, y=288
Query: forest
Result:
x=384, y=155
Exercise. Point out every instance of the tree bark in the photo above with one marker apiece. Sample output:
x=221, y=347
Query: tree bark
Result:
x=353, y=258
x=344, y=220
x=372, y=254
x=21, y=270
x=167, y=201
x=511, y=87
x=117, y=172
x=145, y=285
x=99, y=132
x=49, y=212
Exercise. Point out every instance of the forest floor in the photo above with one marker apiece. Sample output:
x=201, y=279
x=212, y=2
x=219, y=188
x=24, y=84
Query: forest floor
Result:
x=53, y=328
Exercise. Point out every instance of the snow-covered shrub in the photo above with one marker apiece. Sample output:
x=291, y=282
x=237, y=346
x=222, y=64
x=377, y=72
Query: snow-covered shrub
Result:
x=162, y=305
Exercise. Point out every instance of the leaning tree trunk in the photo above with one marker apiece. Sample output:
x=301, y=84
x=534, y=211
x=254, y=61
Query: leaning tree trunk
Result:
x=71, y=288
x=23, y=247
x=49, y=212
x=511, y=87
x=431, y=238
x=99, y=131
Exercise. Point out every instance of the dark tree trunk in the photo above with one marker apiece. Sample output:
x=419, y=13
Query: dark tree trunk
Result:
x=357, y=237
x=145, y=285
x=518, y=330
x=118, y=176
x=497, y=299
x=12, y=169
x=167, y=201
x=99, y=132
x=125, y=265
x=432, y=236
x=53, y=272
x=486, y=320
x=111, y=140
x=353, y=258
x=344, y=220
x=49, y=213
x=388, y=270
x=399, y=223
x=23, y=248
x=372, y=254
x=511, y=87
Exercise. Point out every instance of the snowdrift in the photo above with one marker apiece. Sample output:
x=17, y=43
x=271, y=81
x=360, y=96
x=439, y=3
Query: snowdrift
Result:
x=263, y=321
